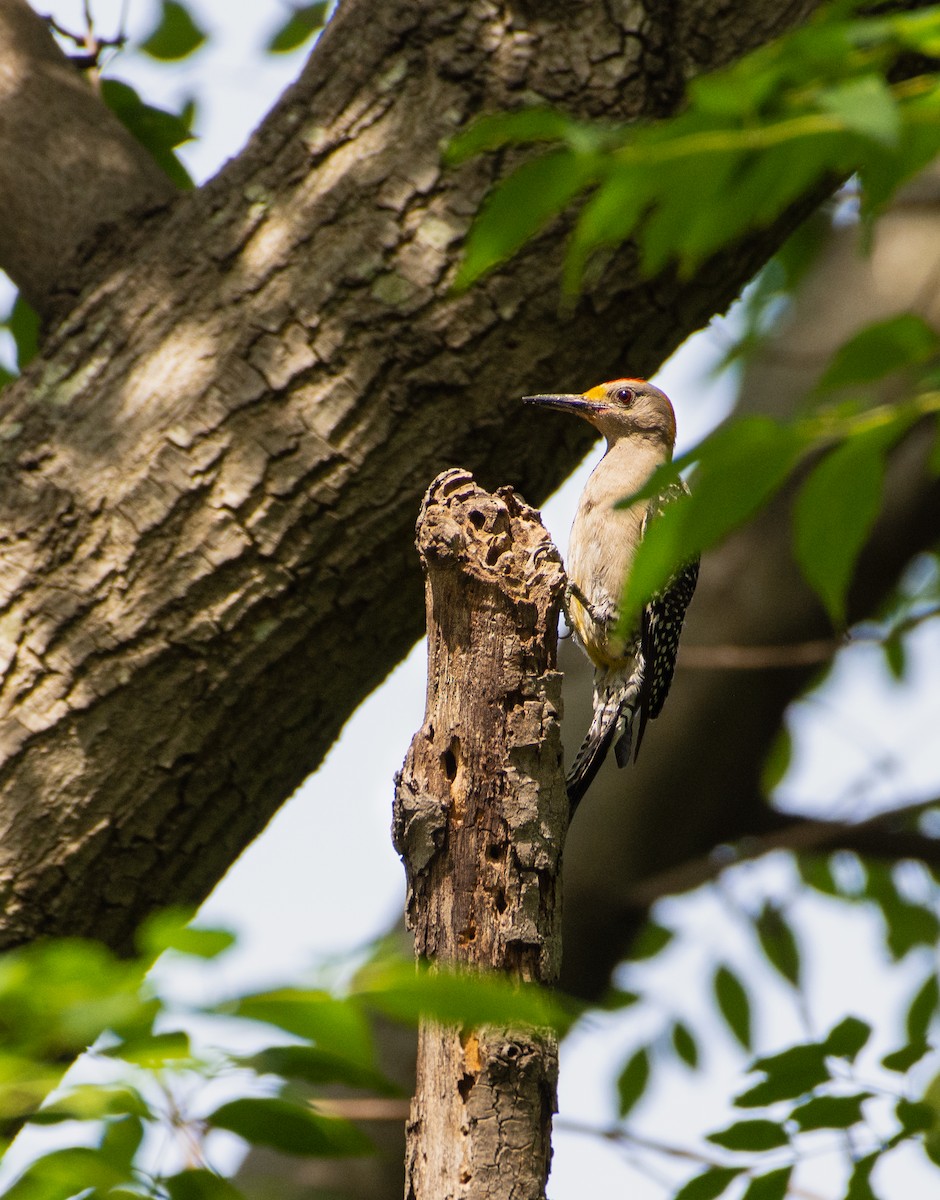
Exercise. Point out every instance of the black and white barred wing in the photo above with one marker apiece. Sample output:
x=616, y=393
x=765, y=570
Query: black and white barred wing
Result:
x=661, y=624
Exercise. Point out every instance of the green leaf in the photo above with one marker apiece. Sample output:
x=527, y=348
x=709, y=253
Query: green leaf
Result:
x=632, y=1081
x=860, y=1180
x=171, y=930
x=922, y=1010
x=200, y=1185
x=830, y=1112
x=293, y=1128
x=751, y=1135
x=607, y=218
x=733, y=1004
x=23, y=324
x=157, y=130
x=617, y=998
x=772, y=1186
x=120, y=1142
x=338, y=1026
x=740, y=466
x=57, y=997
x=305, y=20
x=915, y=1116
x=454, y=996
x=24, y=1084
x=153, y=1050
x=866, y=106
x=777, y=762
x=316, y=1066
x=176, y=34
x=685, y=1044
x=878, y=350
x=816, y=872
x=932, y=1137
x=910, y=926
x=91, y=1102
x=709, y=1184
x=651, y=940
x=779, y=943
x=847, y=1038
x=907, y=925
x=54, y=1176
x=496, y=130
x=790, y=1074
x=902, y=1060
x=933, y=464
x=518, y=207
x=895, y=656
x=833, y=515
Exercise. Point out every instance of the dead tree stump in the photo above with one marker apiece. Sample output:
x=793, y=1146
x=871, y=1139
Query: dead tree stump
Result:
x=480, y=818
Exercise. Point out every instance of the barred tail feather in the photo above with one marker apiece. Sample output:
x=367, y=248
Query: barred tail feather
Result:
x=615, y=701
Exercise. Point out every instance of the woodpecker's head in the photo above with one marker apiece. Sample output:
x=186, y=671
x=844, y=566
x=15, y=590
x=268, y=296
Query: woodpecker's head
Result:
x=620, y=408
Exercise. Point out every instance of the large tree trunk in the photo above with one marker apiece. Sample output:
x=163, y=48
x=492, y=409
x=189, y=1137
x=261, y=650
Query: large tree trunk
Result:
x=211, y=474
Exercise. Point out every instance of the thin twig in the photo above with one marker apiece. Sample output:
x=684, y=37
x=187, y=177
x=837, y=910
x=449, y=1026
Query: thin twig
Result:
x=363, y=1108
x=730, y=657
x=619, y=1134
x=725, y=656
x=873, y=836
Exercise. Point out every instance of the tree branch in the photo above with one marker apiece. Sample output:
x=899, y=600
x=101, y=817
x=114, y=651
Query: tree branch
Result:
x=882, y=836
x=67, y=164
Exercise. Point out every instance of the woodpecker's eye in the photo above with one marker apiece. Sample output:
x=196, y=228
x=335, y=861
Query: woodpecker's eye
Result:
x=626, y=395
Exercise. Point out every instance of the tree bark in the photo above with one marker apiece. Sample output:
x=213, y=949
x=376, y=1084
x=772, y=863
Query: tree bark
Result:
x=209, y=475
x=67, y=164
x=480, y=819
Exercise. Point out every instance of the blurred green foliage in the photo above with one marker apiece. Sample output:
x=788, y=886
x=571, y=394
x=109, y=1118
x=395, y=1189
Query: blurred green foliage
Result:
x=141, y=1073
x=176, y=35
x=817, y=105
x=63, y=999
x=304, y=21
x=819, y=1094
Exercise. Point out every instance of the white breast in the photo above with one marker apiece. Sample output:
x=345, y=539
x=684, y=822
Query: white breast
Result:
x=603, y=545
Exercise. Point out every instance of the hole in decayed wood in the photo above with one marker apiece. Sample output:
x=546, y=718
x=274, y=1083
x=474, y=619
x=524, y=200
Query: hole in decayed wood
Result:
x=465, y=1087
x=477, y=519
x=494, y=553
x=494, y=852
x=499, y=900
x=449, y=760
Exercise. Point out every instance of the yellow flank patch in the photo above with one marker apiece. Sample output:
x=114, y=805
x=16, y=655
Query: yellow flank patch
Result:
x=600, y=649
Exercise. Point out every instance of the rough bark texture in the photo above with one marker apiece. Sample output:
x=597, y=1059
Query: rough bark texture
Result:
x=67, y=164
x=480, y=818
x=209, y=477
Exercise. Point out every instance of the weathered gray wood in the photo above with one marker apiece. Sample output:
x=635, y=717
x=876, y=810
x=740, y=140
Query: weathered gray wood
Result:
x=480, y=819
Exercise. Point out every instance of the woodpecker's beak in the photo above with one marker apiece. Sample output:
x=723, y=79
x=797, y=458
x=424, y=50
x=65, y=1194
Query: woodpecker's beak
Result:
x=565, y=403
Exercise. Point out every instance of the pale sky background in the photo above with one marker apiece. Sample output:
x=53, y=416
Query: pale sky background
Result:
x=323, y=877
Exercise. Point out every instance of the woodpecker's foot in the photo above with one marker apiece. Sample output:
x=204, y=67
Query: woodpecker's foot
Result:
x=573, y=592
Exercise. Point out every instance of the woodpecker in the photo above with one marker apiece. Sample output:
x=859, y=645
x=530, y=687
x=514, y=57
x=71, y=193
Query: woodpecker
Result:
x=632, y=672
